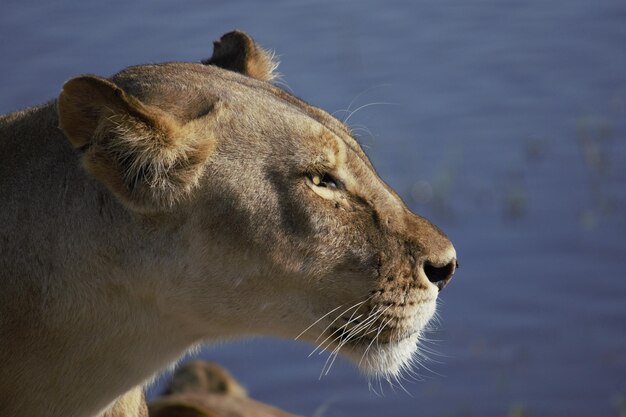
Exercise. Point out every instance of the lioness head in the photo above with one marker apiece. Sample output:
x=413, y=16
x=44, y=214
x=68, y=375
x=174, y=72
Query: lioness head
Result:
x=279, y=223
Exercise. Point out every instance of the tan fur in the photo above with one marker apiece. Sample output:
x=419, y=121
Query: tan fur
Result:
x=206, y=389
x=175, y=205
x=204, y=377
x=149, y=160
x=131, y=404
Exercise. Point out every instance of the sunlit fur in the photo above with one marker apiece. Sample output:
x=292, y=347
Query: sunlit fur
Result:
x=173, y=204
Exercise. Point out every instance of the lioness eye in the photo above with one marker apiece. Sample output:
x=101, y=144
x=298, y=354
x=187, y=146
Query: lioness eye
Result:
x=324, y=180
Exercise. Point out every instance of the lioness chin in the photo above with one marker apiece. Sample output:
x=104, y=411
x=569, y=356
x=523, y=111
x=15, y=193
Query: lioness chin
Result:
x=179, y=203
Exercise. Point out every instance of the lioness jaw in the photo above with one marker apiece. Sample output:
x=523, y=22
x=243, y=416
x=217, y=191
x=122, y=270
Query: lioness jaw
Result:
x=200, y=201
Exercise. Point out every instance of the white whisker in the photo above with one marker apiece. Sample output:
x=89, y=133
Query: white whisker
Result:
x=337, y=318
x=365, y=106
x=332, y=322
x=367, y=90
x=380, y=329
x=339, y=336
x=373, y=317
x=318, y=320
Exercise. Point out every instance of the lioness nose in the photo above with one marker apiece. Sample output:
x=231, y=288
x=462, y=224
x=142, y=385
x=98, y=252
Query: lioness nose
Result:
x=440, y=275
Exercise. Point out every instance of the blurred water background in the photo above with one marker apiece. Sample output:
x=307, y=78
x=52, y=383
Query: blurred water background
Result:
x=506, y=127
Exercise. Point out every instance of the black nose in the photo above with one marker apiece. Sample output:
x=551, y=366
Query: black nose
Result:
x=440, y=275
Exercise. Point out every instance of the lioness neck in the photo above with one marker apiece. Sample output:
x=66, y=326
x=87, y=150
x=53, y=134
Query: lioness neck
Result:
x=86, y=316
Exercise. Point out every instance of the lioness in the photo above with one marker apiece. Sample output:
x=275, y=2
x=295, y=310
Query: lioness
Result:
x=179, y=203
x=201, y=389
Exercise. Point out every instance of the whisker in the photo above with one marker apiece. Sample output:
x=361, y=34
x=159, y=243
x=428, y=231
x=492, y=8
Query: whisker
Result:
x=344, y=339
x=401, y=378
x=378, y=314
x=337, y=318
x=363, y=326
x=367, y=90
x=331, y=323
x=371, y=343
x=372, y=317
x=360, y=127
x=342, y=342
x=354, y=332
x=318, y=320
x=339, y=336
x=365, y=106
x=422, y=364
x=381, y=327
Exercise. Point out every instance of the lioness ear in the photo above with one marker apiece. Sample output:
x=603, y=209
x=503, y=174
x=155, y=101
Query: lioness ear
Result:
x=236, y=51
x=142, y=154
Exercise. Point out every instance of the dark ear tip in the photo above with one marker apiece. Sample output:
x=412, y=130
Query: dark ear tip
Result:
x=235, y=41
x=237, y=51
x=236, y=35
